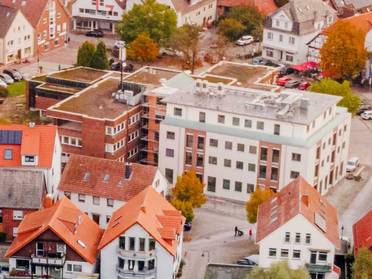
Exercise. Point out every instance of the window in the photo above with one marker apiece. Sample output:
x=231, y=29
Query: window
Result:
x=250, y=188
x=296, y=254
x=132, y=241
x=200, y=142
x=29, y=159
x=308, y=238
x=141, y=265
x=81, y=198
x=235, y=121
x=239, y=165
x=248, y=123
x=151, y=244
x=272, y=252
x=269, y=53
x=263, y=154
x=238, y=186
x=274, y=174
x=260, y=125
x=240, y=147
x=322, y=256
x=262, y=172
x=289, y=58
x=199, y=160
x=189, y=140
x=296, y=157
x=211, y=184
x=251, y=167
x=96, y=200
x=39, y=249
x=291, y=40
x=298, y=238
x=22, y=264
x=276, y=156
x=226, y=184
x=17, y=215
x=227, y=163
x=228, y=145
x=169, y=152
x=270, y=35
x=213, y=142
x=108, y=218
x=142, y=244
x=212, y=160
x=221, y=119
x=280, y=38
x=202, y=117
x=294, y=174
x=284, y=253
x=67, y=195
x=252, y=149
x=170, y=135
x=110, y=202
x=8, y=154
x=151, y=264
x=131, y=264
x=177, y=111
x=169, y=175
x=121, y=263
x=188, y=159
x=287, y=237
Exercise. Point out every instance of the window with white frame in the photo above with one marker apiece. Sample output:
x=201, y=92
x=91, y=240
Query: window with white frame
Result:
x=17, y=215
x=72, y=141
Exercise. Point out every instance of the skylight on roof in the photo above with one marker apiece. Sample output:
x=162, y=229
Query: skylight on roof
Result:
x=81, y=243
x=86, y=176
x=106, y=178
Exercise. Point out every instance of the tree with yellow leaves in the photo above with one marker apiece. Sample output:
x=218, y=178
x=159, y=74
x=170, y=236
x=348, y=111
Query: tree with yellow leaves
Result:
x=143, y=49
x=343, y=55
x=257, y=197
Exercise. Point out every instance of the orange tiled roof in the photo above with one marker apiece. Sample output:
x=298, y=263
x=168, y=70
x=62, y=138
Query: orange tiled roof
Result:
x=298, y=197
x=116, y=186
x=153, y=213
x=67, y=222
x=264, y=6
x=362, y=21
x=362, y=232
x=38, y=140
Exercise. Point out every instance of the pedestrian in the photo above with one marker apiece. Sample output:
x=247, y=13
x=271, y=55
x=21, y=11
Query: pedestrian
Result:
x=236, y=230
x=250, y=234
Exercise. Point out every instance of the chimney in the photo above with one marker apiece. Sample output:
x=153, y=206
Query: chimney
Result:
x=128, y=170
x=305, y=200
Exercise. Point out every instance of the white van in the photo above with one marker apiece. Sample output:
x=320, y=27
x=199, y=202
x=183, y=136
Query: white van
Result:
x=352, y=164
x=367, y=115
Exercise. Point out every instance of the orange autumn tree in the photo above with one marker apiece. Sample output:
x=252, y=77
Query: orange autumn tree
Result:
x=256, y=198
x=343, y=55
x=143, y=49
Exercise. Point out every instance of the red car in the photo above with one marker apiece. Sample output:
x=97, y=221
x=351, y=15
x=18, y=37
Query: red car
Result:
x=282, y=81
x=304, y=85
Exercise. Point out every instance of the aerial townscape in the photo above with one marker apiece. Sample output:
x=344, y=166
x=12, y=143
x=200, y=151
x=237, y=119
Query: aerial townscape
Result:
x=186, y=139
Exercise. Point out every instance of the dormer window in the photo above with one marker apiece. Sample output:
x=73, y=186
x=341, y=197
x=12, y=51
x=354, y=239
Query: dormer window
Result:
x=8, y=154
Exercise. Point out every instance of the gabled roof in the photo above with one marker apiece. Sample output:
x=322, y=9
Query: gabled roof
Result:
x=264, y=6
x=7, y=16
x=70, y=224
x=38, y=140
x=362, y=232
x=298, y=197
x=105, y=178
x=153, y=213
x=21, y=188
x=362, y=21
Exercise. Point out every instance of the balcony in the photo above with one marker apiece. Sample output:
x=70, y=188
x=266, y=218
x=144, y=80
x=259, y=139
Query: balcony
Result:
x=49, y=260
x=138, y=255
x=323, y=268
x=143, y=274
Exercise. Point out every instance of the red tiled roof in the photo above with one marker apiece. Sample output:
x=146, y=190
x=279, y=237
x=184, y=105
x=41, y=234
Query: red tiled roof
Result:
x=362, y=232
x=67, y=222
x=298, y=197
x=116, y=186
x=38, y=140
x=264, y=6
x=362, y=21
x=153, y=213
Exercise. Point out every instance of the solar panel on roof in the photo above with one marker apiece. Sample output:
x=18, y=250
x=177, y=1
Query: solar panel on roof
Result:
x=10, y=137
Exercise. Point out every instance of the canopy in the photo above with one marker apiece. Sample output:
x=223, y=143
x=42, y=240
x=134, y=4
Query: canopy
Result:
x=305, y=66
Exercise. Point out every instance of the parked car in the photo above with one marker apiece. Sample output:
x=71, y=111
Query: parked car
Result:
x=245, y=40
x=367, y=115
x=259, y=60
x=352, y=164
x=304, y=85
x=292, y=83
x=94, y=33
x=284, y=71
x=187, y=227
x=282, y=81
x=251, y=260
x=14, y=74
x=363, y=108
x=170, y=52
x=127, y=68
x=6, y=78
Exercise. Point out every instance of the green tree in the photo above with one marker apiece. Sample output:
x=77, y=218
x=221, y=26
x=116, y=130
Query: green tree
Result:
x=186, y=40
x=185, y=207
x=328, y=86
x=280, y=3
x=143, y=49
x=85, y=54
x=343, y=55
x=362, y=267
x=157, y=20
x=257, y=197
x=99, y=59
x=250, y=18
x=231, y=28
x=279, y=270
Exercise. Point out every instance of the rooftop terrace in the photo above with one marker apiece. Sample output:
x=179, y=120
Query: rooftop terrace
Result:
x=151, y=75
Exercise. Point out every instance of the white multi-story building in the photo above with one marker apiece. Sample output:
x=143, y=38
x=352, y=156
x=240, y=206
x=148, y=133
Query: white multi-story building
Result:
x=288, y=30
x=100, y=186
x=299, y=226
x=143, y=239
x=238, y=138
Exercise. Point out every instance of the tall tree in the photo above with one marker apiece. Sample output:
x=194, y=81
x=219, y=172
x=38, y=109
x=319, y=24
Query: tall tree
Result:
x=362, y=267
x=143, y=49
x=157, y=20
x=99, y=59
x=85, y=54
x=185, y=207
x=257, y=197
x=250, y=18
x=343, y=55
x=279, y=270
x=231, y=28
x=186, y=40
x=328, y=86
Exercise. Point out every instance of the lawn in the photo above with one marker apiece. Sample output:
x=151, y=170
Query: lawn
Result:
x=17, y=88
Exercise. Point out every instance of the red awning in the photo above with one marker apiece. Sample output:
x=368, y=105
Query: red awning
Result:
x=305, y=66
x=299, y=68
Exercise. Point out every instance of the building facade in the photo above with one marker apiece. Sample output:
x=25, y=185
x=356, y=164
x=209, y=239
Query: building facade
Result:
x=362, y=233
x=288, y=30
x=143, y=239
x=237, y=138
x=16, y=36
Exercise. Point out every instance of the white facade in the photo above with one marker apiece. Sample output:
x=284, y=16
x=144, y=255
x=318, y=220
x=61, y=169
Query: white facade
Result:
x=147, y=261
x=18, y=42
x=100, y=209
x=300, y=243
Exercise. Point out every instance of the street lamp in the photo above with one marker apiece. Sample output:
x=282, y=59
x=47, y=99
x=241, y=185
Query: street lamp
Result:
x=122, y=58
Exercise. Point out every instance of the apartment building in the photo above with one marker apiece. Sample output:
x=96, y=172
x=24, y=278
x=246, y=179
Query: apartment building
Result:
x=59, y=242
x=100, y=186
x=32, y=148
x=238, y=138
x=16, y=36
x=143, y=239
x=300, y=226
x=50, y=21
x=288, y=30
